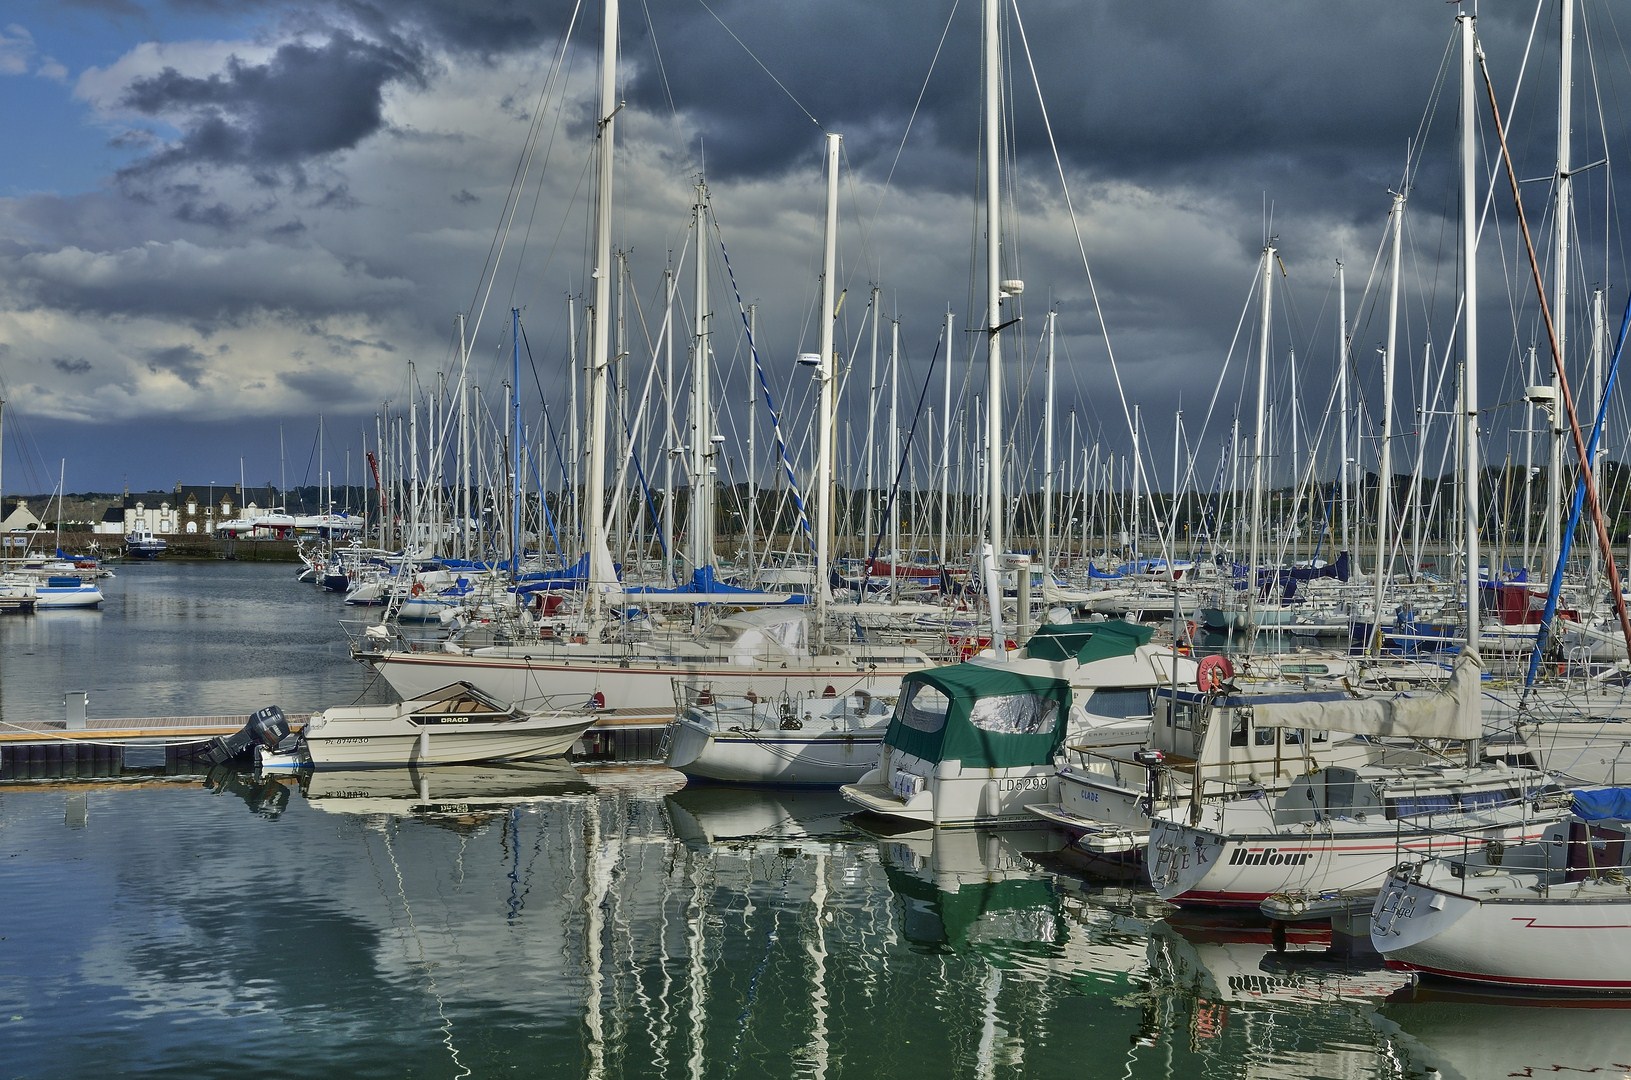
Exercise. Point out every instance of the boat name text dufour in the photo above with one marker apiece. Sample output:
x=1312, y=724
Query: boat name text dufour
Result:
x=1268, y=857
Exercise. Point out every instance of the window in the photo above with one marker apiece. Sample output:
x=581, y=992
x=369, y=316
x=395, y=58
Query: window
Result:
x=1240, y=731
x=924, y=708
x=1015, y=714
x=1183, y=716
x=1118, y=704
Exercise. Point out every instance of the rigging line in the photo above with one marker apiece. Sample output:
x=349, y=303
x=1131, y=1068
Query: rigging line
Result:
x=522, y=167
x=1587, y=478
x=911, y=434
x=797, y=104
x=764, y=387
x=1081, y=244
x=548, y=430
x=917, y=107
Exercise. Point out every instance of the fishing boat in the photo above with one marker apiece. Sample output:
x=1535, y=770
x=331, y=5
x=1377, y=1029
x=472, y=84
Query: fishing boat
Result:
x=1550, y=914
x=142, y=542
x=456, y=724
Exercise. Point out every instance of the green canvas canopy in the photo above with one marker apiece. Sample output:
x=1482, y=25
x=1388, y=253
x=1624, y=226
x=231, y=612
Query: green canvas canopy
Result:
x=986, y=716
x=1086, y=642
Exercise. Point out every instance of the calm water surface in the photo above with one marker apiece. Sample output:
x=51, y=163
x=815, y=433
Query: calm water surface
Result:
x=546, y=920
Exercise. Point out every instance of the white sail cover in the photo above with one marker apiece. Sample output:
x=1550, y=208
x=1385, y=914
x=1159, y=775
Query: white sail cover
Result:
x=1449, y=713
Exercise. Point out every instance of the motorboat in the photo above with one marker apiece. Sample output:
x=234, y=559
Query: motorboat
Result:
x=979, y=742
x=1551, y=914
x=457, y=724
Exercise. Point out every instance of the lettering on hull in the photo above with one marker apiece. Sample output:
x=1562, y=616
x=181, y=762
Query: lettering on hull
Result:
x=1268, y=857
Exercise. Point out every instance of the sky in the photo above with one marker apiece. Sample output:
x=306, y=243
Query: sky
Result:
x=234, y=235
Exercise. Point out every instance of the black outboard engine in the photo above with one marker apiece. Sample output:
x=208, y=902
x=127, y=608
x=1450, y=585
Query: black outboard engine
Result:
x=266, y=727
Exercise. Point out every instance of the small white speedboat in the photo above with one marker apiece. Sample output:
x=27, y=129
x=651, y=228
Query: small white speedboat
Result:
x=456, y=725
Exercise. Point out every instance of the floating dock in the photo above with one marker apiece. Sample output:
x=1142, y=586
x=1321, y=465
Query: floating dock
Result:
x=83, y=746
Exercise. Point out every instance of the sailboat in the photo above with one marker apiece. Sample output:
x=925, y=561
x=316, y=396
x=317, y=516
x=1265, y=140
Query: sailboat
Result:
x=1334, y=834
x=765, y=654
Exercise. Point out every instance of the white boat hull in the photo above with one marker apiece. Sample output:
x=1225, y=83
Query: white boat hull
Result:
x=458, y=747
x=1479, y=921
x=799, y=758
x=1197, y=867
x=633, y=685
x=1514, y=941
x=943, y=793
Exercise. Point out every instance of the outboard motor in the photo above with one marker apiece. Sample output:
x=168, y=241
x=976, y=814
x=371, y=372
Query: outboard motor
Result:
x=266, y=727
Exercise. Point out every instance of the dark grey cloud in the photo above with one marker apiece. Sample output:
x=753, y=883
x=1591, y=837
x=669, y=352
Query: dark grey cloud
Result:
x=306, y=102
x=77, y=366
x=183, y=361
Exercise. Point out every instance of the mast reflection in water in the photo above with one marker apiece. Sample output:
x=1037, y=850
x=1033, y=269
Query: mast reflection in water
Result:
x=543, y=919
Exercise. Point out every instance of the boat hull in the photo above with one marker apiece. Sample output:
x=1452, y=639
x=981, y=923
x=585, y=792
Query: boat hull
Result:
x=796, y=758
x=462, y=746
x=632, y=685
x=1530, y=942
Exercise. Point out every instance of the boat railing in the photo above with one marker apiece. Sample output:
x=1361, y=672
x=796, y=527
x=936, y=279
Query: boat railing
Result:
x=1570, y=855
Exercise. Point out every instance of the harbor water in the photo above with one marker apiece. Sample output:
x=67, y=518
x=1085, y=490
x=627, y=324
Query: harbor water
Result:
x=552, y=919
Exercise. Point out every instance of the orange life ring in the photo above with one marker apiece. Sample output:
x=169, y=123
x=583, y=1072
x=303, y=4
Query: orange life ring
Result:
x=1214, y=671
x=418, y=588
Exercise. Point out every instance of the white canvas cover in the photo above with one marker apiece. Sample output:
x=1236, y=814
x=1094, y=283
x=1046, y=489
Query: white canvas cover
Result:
x=1449, y=713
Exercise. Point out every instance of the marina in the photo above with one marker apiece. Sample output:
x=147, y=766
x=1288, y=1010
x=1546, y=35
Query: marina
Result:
x=742, y=718
x=614, y=919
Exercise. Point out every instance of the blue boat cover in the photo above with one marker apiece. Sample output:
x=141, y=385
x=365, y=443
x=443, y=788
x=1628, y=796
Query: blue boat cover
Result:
x=1598, y=804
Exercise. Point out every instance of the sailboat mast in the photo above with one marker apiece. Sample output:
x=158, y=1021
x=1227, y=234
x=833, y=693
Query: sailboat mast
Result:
x=1560, y=282
x=600, y=569
x=822, y=489
x=1384, y=468
x=1469, y=366
x=1342, y=383
x=995, y=503
x=701, y=445
x=1047, y=458
x=1256, y=531
x=945, y=448
x=515, y=443
x=895, y=553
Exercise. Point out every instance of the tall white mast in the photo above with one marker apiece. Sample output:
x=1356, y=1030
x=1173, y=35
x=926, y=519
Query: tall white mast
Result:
x=945, y=447
x=995, y=503
x=1560, y=282
x=1384, y=468
x=894, y=458
x=869, y=484
x=1469, y=366
x=669, y=450
x=601, y=573
x=826, y=373
x=1256, y=530
x=1047, y=458
x=701, y=434
x=1342, y=383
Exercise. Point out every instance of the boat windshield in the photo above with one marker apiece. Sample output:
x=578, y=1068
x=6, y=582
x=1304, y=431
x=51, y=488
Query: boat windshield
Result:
x=924, y=708
x=1015, y=714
